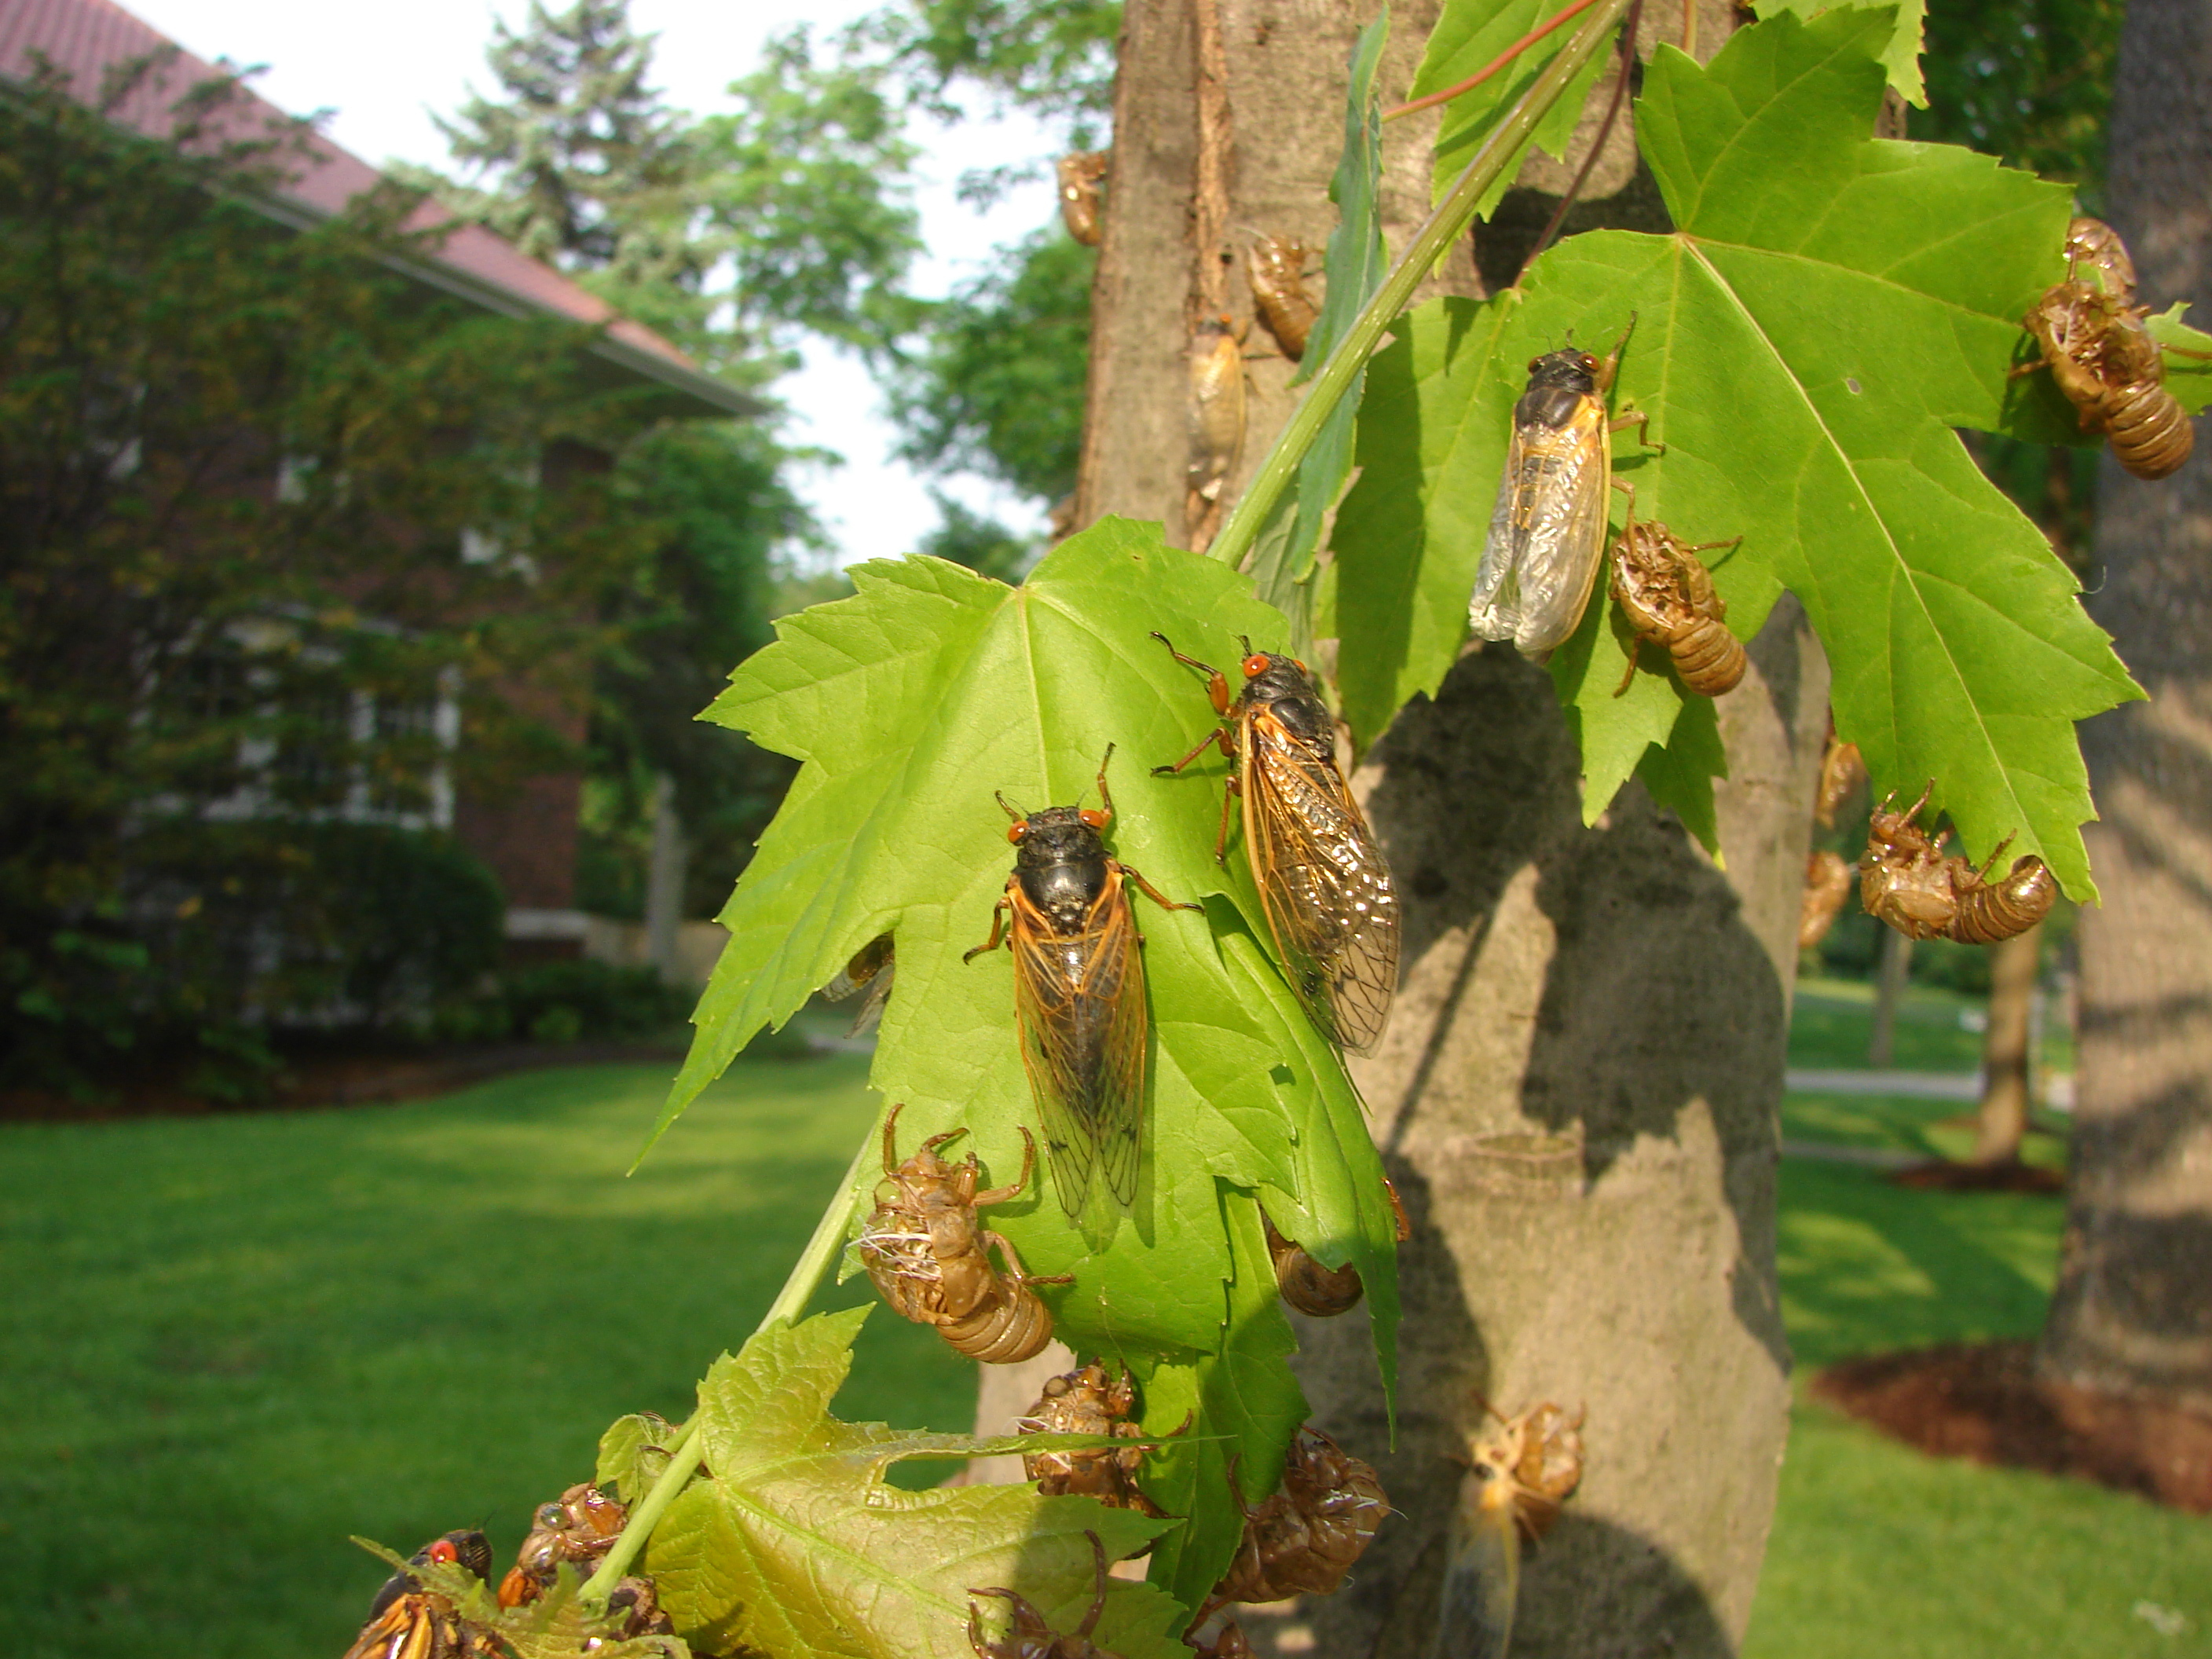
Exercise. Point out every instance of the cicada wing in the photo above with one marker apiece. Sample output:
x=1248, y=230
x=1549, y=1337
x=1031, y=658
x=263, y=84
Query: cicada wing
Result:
x=1547, y=533
x=1323, y=883
x=1494, y=611
x=1482, y=1583
x=406, y=1629
x=1079, y=1000
x=869, y=975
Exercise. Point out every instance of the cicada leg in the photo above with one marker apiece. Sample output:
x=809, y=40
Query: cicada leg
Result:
x=1002, y=1194
x=1154, y=893
x=998, y=931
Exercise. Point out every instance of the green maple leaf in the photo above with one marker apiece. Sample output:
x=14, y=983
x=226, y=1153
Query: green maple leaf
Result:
x=909, y=704
x=1900, y=58
x=556, y=1625
x=791, y=1544
x=1467, y=36
x=1830, y=306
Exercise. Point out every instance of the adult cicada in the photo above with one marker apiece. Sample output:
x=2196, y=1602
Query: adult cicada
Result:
x=1517, y=1478
x=1548, y=530
x=1322, y=881
x=869, y=976
x=410, y=1620
x=1078, y=991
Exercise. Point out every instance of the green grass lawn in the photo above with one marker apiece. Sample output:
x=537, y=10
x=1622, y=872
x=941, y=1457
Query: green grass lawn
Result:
x=231, y=1341
x=251, y=1335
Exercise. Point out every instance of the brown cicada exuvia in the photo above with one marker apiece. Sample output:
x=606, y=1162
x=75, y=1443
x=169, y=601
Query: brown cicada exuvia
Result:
x=1326, y=891
x=1318, y=1291
x=574, y=1531
x=1906, y=880
x=1027, y=1635
x=1305, y=1538
x=1668, y=596
x=1276, y=267
x=1080, y=174
x=1091, y=1400
x=928, y=1252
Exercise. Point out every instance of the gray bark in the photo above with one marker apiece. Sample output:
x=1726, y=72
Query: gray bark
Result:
x=1578, y=1096
x=2133, y=1310
x=2001, y=1118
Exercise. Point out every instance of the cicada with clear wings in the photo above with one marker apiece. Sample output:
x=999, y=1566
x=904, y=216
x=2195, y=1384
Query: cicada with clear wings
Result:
x=1548, y=530
x=1323, y=883
x=1079, y=991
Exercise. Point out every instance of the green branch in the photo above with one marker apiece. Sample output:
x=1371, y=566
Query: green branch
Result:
x=684, y=1457
x=1452, y=216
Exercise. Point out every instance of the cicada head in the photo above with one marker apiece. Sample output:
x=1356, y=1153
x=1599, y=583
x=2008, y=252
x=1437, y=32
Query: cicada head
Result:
x=1571, y=369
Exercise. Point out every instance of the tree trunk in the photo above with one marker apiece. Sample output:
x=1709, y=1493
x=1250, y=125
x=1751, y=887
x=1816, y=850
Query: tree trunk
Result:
x=2000, y=1119
x=1893, y=968
x=1578, y=1096
x=663, y=882
x=2133, y=1309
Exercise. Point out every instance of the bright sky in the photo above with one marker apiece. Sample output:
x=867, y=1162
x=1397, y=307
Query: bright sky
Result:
x=382, y=71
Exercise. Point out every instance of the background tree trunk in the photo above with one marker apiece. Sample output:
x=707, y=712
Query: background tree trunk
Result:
x=1578, y=1096
x=2001, y=1118
x=2133, y=1310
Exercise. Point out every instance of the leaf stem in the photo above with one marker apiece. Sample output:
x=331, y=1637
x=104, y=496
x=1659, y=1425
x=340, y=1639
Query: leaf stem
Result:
x=1495, y=64
x=1450, y=217
x=684, y=1457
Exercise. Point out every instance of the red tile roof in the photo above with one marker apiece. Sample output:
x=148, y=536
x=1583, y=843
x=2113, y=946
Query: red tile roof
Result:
x=86, y=38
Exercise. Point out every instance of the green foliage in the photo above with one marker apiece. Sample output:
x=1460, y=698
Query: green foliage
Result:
x=965, y=536
x=971, y=687
x=1467, y=36
x=1829, y=308
x=1900, y=58
x=792, y=1545
x=202, y=672
x=2027, y=80
x=998, y=386
x=1048, y=56
x=557, y=1625
x=1282, y=564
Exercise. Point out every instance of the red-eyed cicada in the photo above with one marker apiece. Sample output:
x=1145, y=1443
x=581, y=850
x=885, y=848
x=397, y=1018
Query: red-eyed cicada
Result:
x=1547, y=531
x=1518, y=1478
x=1322, y=880
x=408, y=1620
x=1078, y=991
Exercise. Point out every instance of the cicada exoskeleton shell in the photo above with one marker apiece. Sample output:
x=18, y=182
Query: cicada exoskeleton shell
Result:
x=1078, y=992
x=1027, y=1635
x=1088, y=1400
x=1519, y=1474
x=1906, y=880
x=1080, y=176
x=1277, y=268
x=1668, y=595
x=928, y=1252
x=1324, y=884
x=1827, y=884
x=1304, y=1538
x=1317, y=1291
x=574, y=1531
x=1546, y=536
x=1842, y=770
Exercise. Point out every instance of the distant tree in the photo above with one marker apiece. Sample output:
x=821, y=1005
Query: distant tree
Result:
x=239, y=467
x=978, y=541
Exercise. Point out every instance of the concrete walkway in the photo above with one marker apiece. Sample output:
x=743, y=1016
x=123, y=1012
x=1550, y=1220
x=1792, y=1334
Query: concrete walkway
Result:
x=2057, y=1090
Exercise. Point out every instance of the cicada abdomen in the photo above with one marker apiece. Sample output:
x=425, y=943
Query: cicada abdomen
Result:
x=1668, y=595
x=1277, y=268
x=928, y=1252
x=1331, y=907
x=1079, y=177
x=1546, y=535
x=1317, y=1291
x=1990, y=911
x=1079, y=991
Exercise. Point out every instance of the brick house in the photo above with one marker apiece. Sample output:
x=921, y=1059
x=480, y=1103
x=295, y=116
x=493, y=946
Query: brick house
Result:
x=529, y=840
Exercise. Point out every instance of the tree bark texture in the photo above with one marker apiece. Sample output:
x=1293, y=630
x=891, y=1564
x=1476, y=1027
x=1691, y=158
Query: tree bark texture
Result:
x=2001, y=1118
x=2133, y=1309
x=1578, y=1096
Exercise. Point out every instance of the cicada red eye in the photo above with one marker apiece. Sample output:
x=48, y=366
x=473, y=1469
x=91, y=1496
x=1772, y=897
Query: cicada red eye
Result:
x=1255, y=664
x=1016, y=832
x=1532, y=363
x=1303, y=669
x=1589, y=364
x=1096, y=818
x=443, y=1550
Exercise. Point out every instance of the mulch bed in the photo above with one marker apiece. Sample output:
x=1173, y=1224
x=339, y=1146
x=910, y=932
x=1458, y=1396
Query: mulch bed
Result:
x=1983, y=1400
x=1942, y=1175
x=312, y=1082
